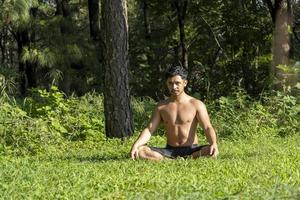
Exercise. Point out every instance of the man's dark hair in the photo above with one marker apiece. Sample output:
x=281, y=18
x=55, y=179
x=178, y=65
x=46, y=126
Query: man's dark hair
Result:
x=176, y=70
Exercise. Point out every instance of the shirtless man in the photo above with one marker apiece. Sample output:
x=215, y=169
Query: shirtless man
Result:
x=180, y=114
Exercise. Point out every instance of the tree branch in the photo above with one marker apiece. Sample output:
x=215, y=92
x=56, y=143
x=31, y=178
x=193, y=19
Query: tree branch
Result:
x=214, y=35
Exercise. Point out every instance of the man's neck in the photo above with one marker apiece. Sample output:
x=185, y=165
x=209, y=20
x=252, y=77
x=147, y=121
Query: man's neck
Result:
x=180, y=98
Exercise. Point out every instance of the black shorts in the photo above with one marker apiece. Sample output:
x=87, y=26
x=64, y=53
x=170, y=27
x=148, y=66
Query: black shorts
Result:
x=173, y=152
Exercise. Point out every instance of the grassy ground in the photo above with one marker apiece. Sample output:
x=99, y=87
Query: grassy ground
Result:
x=258, y=168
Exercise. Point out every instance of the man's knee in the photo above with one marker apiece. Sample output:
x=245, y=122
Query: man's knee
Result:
x=204, y=152
x=143, y=151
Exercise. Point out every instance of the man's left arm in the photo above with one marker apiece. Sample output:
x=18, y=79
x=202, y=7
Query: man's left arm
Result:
x=204, y=121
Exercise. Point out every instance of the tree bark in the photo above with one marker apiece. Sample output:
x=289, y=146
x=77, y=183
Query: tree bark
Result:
x=181, y=8
x=117, y=107
x=281, y=13
x=281, y=40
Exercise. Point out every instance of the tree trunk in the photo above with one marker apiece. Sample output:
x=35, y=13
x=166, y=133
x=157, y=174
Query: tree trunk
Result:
x=2, y=46
x=22, y=41
x=281, y=39
x=117, y=107
x=94, y=17
x=31, y=67
x=63, y=9
x=281, y=13
x=146, y=20
x=95, y=33
x=181, y=8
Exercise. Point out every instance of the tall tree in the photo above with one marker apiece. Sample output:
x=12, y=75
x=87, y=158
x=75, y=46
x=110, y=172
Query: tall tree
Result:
x=24, y=36
x=63, y=9
x=281, y=13
x=94, y=18
x=95, y=33
x=117, y=107
x=146, y=19
x=181, y=9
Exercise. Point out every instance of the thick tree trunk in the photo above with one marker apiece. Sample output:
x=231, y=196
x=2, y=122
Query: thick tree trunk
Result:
x=181, y=7
x=281, y=42
x=117, y=107
x=281, y=13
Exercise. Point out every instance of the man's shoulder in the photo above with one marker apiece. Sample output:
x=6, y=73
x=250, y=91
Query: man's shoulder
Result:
x=162, y=103
x=196, y=102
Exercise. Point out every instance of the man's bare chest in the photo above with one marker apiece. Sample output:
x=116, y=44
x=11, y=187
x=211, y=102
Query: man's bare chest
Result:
x=178, y=114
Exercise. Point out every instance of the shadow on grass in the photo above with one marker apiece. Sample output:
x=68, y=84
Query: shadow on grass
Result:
x=101, y=158
x=87, y=158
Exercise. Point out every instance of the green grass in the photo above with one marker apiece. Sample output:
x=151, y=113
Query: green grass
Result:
x=260, y=168
x=55, y=148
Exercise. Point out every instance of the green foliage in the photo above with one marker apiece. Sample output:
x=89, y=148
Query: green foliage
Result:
x=48, y=118
x=240, y=116
x=73, y=118
x=257, y=138
x=20, y=134
x=143, y=109
x=7, y=81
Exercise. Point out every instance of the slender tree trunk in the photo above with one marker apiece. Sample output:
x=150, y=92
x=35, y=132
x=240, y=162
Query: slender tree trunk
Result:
x=63, y=9
x=22, y=40
x=181, y=7
x=95, y=33
x=117, y=107
x=146, y=20
x=94, y=17
x=2, y=46
x=31, y=67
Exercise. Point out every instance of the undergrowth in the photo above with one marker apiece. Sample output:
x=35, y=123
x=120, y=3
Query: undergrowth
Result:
x=48, y=118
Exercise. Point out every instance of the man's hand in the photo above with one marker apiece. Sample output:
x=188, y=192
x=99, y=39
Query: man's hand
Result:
x=134, y=152
x=213, y=150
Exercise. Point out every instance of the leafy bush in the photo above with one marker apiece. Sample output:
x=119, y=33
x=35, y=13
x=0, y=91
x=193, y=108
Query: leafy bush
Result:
x=21, y=134
x=240, y=116
x=48, y=118
x=73, y=118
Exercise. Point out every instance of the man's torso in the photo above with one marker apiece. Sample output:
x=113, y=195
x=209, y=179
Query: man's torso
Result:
x=180, y=122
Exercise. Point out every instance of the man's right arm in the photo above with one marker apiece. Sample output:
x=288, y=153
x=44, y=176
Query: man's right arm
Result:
x=146, y=133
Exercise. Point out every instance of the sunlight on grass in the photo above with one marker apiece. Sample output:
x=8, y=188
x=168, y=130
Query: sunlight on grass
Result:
x=245, y=169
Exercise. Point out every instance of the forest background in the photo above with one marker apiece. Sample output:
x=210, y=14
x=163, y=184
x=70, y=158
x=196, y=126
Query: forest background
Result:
x=76, y=73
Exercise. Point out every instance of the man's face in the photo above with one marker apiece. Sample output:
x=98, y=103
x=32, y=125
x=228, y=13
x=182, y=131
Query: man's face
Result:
x=176, y=85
